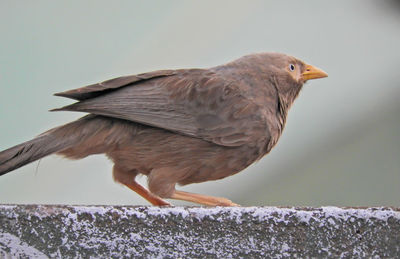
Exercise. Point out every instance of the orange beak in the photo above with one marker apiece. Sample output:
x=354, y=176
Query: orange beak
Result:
x=313, y=73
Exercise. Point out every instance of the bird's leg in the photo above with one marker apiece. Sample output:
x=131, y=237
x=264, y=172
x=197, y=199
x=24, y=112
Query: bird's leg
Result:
x=161, y=181
x=202, y=199
x=153, y=199
x=127, y=178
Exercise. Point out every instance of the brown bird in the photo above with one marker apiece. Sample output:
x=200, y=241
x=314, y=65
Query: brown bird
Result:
x=177, y=126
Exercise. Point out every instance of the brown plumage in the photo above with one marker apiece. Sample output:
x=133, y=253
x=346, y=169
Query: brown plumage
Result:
x=177, y=126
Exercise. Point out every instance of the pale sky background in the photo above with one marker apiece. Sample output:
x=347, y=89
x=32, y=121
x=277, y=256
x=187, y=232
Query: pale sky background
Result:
x=341, y=145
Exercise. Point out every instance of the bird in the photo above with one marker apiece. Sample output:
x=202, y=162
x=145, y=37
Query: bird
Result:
x=177, y=127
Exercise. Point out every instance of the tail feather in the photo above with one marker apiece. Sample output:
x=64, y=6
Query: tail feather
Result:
x=91, y=134
x=52, y=141
x=27, y=152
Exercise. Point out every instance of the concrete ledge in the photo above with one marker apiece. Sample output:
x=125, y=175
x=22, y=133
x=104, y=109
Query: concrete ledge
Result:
x=41, y=231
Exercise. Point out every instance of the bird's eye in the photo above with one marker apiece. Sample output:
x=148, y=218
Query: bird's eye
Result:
x=291, y=67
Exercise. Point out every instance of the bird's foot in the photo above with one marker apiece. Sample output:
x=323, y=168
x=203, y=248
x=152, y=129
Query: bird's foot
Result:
x=161, y=202
x=226, y=202
x=202, y=199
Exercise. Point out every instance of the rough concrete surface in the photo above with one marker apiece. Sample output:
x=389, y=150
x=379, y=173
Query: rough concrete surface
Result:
x=51, y=231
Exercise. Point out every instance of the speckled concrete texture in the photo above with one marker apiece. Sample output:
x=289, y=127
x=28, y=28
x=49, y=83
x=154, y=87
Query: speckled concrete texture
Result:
x=48, y=231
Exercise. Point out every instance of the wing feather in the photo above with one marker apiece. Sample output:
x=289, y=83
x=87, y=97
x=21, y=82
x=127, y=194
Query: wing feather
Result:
x=94, y=90
x=197, y=103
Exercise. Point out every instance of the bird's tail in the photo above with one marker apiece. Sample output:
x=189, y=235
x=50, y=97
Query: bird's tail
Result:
x=49, y=142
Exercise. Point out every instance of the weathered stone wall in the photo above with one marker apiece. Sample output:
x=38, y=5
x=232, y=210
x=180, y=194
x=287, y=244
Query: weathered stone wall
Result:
x=41, y=231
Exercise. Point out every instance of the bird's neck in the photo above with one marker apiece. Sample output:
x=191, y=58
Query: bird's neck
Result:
x=284, y=101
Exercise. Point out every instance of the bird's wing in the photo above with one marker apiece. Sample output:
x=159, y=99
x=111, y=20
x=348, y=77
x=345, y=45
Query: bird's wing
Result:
x=94, y=90
x=195, y=102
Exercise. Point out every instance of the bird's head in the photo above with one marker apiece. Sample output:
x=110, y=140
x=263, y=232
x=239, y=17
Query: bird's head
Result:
x=300, y=71
x=287, y=73
x=291, y=69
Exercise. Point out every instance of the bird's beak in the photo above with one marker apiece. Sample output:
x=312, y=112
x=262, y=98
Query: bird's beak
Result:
x=313, y=73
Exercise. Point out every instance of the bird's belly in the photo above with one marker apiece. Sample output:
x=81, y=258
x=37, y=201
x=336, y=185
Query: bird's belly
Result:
x=192, y=160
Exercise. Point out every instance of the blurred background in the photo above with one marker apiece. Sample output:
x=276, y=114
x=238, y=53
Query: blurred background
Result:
x=341, y=144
